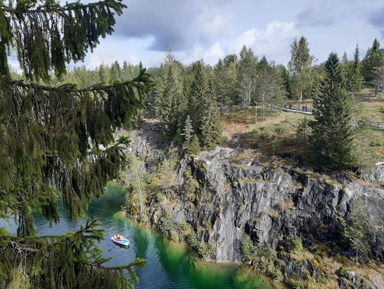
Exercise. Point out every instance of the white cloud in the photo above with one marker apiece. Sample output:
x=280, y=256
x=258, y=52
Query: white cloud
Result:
x=213, y=27
x=273, y=42
x=210, y=54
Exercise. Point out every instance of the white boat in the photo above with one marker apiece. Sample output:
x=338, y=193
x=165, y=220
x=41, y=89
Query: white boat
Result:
x=120, y=240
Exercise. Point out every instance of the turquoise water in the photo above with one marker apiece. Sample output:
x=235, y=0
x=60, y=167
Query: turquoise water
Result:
x=168, y=265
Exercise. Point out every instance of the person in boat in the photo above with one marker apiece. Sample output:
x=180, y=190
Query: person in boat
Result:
x=118, y=237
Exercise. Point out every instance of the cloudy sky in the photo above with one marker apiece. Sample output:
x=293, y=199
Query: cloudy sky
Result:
x=212, y=29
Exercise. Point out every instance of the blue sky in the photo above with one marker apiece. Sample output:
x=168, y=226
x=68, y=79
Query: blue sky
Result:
x=212, y=29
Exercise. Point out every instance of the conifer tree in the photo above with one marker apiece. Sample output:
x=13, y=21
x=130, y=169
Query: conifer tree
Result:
x=168, y=106
x=269, y=87
x=194, y=147
x=188, y=131
x=300, y=65
x=225, y=82
x=210, y=121
x=136, y=198
x=332, y=134
x=247, y=77
x=357, y=77
x=373, y=58
x=58, y=142
x=104, y=73
x=172, y=98
x=198, y=98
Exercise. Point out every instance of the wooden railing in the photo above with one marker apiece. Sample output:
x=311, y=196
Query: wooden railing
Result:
x=306, y=110
x=377, y=125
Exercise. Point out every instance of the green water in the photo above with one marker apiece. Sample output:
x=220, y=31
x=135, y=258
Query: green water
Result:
x=168, y=265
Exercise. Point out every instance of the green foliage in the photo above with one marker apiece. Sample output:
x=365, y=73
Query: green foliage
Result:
x=259, y=255
x=202, y=249
x=269, y=87
x=300, y=68
x=248, y=249
x=191, y=185
x=169, y=106
x=225, y=82
x=166, y=224
x=210, y=126
x=357, y=230
x=247, y=75
x=57, y=141
x=356, y=76
x=74, y=29
x=163, y=179
x=188, y=131
x=48, y=136
x=194, y=147
x=373, y=58
x=136, y=196
x=37, y=262
x=303, y=131
x=332, y=133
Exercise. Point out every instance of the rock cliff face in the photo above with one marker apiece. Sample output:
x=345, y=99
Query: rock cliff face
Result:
x=269, y=200
x=272, y=200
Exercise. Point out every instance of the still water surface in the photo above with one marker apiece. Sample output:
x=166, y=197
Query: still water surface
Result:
x=168, y=265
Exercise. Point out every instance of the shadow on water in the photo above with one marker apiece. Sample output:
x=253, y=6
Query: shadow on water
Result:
x=168, y=265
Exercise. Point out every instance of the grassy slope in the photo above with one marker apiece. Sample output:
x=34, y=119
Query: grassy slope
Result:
x=276, y=133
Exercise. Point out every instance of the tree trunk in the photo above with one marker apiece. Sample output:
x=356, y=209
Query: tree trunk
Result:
x=255, y=113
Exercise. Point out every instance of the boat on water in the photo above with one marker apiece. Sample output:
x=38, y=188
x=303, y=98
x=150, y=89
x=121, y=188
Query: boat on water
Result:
x=120, y=240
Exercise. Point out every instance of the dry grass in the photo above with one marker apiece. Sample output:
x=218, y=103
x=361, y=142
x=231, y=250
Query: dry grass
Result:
x=276, y=134
x=234, y=123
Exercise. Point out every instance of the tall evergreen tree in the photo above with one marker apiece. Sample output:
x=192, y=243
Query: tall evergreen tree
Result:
x=188, y=131
x=269, y=87
x=115, y=72
x=173, y=102
x=58, y=141
x=210, y=122
x=373, y=58
x=300, y=65
x=247, y=77
x=198, y=99
x=104, y=73
x=356, y=77
x=168, y=107
x=332, y=134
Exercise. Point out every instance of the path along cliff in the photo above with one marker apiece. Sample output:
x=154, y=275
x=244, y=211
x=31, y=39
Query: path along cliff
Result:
x=219, y=198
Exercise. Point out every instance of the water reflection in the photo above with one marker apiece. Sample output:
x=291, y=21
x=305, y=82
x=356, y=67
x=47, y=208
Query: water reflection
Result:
x=140, y=237
x=168, y=265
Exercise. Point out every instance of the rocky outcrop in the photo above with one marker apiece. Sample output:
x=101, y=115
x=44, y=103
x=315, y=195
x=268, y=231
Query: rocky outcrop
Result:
x=272, y=200
x=377, y=173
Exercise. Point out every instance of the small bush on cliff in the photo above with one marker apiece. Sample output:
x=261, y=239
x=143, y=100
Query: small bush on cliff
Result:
x=202, y=249
x=163, y=179
x=248, y=250
x=356, y=231
x=259, y=255
x=191, y=185
x=194, y=147
x=166, y=226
